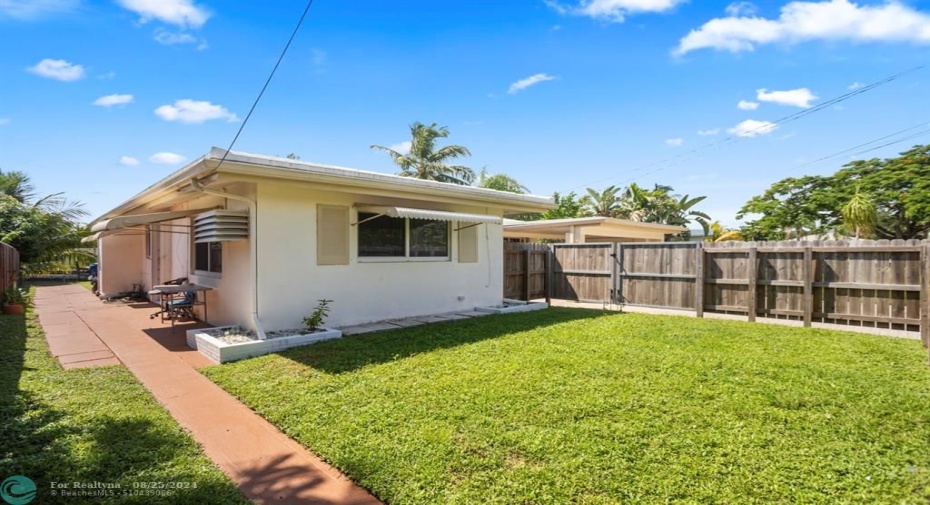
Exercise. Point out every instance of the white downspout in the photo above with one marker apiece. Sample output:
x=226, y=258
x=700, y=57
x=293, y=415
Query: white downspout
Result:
x=253, y=248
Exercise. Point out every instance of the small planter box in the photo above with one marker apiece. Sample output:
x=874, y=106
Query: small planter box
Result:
x=221, y=352
x=511, y=306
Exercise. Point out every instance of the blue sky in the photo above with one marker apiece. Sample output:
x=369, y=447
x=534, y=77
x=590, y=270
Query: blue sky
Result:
x=101, y=98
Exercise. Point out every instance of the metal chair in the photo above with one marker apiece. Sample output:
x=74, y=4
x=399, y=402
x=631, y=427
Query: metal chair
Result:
x=183, y=307
x=163, y=312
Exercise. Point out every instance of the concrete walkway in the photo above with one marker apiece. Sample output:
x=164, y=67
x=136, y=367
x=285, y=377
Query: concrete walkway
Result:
x=266, y=465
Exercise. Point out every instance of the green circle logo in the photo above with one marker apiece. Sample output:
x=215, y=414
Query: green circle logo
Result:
x=18, y=490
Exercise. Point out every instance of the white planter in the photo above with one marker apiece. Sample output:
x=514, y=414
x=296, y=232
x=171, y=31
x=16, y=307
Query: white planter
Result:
x=222, y=352
x=510, y=307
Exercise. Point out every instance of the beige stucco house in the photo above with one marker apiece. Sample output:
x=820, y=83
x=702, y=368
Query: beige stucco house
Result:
x=272, y=236
x=588, y=229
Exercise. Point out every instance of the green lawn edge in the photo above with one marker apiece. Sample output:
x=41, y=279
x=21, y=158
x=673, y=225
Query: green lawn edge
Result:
x=94, y=425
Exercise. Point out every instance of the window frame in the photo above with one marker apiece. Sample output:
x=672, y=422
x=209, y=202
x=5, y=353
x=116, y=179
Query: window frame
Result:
x=208, y=272
x=406, y=258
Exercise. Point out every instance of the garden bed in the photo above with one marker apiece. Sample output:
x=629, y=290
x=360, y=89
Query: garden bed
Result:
x=230, y=343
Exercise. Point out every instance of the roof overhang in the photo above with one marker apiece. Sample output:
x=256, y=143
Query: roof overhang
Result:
x=440, y=215
x=245, y=167
x=118, y=223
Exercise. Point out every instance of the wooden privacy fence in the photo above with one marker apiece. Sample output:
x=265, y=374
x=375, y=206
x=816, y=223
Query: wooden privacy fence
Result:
x=9, y=266
x=526, y=271
x=882, y=284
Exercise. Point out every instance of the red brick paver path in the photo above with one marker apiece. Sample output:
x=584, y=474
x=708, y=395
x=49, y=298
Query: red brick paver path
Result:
x=267, y=466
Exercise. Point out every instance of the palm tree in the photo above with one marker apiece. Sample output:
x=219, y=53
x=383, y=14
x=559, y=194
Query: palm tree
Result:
x=425, y=161
x=17, y=185
x=49, y=224
x=604, y=203
x=859, y=214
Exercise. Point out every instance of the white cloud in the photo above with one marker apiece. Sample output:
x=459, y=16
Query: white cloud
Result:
x=747, y=105
x=677, y=142
x=58, y=69
x=613, y=10
x=181, y=13
x=854, y=86
x=4, y=121
x=801, y=97
x=801, y=21
x=129, y=161
x=31, y=9
x=193, y=111
x=402, y=147
x=753, y=128
x=108, y=76
x=741, y=9
x=167, y=158
x=529, y=81
x=169, y=38
x=111, y=100
x=706, y=133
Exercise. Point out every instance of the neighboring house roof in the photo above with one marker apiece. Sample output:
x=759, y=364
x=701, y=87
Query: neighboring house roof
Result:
x=588, y=229
x=246, y=166
x=563, y=225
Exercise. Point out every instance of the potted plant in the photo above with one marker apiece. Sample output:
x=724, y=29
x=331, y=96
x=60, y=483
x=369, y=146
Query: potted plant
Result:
x=15, y=301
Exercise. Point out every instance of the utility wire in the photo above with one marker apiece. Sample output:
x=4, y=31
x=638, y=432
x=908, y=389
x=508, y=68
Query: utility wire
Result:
x=677, y=159
x=267, y=82
x=886, y=137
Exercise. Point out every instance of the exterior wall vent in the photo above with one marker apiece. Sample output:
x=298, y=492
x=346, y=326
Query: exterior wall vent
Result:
x=221, y=226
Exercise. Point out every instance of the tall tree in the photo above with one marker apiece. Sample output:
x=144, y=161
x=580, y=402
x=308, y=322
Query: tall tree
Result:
x=500, y=182
x=898, y=187
x=425, y=160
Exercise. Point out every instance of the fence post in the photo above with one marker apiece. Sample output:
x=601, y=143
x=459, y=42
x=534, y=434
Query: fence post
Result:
x=699, y=279
x=618, y=273
x=547, y=264
x=925, y=295
x=547, y=277
x=753, y=272
x=527, y=260
x=807, y=304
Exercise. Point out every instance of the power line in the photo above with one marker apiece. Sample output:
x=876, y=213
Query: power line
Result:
x=267, y=82
x=686, y=156
x=845, y=151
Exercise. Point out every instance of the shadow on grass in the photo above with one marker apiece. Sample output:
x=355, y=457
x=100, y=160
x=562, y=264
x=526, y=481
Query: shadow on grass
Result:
x=357, y=351
x=53, y=429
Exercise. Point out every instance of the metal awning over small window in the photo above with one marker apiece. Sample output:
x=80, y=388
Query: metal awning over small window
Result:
x=143, y=219
x=221, y=226
x=439, y=215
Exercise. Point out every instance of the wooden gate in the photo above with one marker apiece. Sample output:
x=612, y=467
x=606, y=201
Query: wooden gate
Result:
x=583, y=272
x=658, y=274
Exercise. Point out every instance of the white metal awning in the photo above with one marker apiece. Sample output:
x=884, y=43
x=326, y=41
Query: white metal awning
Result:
x=142, y=219
x=440, y=215
x=91, y=238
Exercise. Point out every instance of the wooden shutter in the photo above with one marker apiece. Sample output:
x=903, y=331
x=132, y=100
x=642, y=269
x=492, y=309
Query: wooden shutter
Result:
x=468, y=244
x=332, y=235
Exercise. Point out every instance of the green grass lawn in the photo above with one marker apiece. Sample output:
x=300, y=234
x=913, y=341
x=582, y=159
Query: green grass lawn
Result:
x=571, y=406
x=92, y=425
